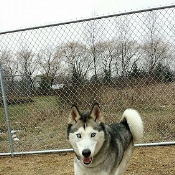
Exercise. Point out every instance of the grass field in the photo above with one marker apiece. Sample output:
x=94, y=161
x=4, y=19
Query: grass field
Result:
x=42, y=124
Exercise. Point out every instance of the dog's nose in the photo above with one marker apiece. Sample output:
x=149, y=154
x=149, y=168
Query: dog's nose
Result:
x=86, y=153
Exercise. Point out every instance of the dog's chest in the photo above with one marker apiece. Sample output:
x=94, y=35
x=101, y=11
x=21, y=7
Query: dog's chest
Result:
x=87, y=171
x=82, y=170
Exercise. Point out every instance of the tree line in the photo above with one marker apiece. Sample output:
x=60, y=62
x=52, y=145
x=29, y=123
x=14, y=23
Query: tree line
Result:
x=96, y=59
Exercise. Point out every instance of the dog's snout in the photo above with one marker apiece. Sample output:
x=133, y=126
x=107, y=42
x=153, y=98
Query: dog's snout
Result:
x=86, y=153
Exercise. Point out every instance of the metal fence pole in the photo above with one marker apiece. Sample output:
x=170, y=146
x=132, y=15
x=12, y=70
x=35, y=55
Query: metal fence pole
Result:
x=6, y=112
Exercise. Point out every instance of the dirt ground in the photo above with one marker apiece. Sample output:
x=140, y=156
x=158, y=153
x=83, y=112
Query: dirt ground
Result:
x=145, y=161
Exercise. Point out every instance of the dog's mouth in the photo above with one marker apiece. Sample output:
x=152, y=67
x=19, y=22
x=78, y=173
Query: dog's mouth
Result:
x=87, y=161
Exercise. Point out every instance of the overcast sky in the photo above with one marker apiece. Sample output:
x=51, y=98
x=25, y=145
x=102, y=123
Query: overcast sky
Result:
x=15, y=14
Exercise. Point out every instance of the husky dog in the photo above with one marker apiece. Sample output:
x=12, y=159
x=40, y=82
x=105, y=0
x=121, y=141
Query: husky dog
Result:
x=102, y=149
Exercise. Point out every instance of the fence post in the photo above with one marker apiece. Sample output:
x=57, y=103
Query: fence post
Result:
x=6, y=112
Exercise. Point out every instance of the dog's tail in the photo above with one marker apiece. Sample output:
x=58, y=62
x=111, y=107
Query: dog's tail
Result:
x=134, y=122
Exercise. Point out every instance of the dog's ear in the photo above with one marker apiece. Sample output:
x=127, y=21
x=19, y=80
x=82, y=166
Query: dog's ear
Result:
x=74, y=115
x=96, y=114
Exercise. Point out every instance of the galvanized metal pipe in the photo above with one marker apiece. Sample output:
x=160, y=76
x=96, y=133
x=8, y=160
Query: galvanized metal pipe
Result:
x=89, y=19
x=6, y=112
x=71, y=150
x=38, y=152
x=155, y=144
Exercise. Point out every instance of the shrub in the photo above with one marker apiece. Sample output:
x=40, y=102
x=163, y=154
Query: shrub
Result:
x=44, y=85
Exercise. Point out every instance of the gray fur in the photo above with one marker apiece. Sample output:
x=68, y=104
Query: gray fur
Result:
x=116, y=144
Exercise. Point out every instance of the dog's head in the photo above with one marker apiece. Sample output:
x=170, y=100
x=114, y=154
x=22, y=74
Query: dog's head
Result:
x=86, y=132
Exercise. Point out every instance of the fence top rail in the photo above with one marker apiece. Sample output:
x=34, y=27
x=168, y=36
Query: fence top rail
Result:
x=89, y=19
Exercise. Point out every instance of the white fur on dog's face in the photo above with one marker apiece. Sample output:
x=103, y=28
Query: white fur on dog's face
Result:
x=87, y=138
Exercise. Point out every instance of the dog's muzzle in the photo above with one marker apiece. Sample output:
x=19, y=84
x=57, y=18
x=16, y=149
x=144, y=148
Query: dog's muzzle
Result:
x=87, y=159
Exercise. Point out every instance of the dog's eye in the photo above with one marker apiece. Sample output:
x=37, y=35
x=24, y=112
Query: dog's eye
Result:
x=93, y=134
x=78, y=135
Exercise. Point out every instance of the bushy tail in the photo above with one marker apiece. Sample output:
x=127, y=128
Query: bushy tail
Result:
x=134, y=122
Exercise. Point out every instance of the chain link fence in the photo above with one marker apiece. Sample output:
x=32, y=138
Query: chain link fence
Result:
x=122, y=61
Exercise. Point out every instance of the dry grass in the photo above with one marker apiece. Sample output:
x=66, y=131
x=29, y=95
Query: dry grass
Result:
x=145, y=161
x=43, y=123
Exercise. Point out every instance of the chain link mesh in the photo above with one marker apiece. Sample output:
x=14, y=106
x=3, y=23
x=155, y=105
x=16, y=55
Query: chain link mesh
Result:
x=122, y=61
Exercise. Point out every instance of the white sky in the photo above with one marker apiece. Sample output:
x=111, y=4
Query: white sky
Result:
x=15, y=14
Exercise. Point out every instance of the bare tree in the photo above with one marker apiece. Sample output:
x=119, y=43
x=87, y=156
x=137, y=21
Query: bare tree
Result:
x=27, y=65
x=9, y=62
x=127, y=49
x=93, y=36
x=10, y=67
x=106, y=53
x=49, y=61
x=78, y=59
x=156, y=50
